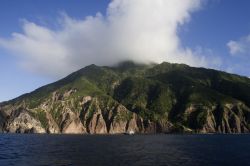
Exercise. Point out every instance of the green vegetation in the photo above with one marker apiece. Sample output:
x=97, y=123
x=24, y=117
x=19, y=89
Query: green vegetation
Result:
x=124, y=116
x=157, y=93
x=41, y=116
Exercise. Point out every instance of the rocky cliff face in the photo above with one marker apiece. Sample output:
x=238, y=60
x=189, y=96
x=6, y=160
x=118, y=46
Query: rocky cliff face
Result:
x=161, y=98
x=228, y=118
x=90, y=119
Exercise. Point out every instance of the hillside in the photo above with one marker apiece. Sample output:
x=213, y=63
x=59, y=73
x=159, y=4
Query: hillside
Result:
x=156, y=98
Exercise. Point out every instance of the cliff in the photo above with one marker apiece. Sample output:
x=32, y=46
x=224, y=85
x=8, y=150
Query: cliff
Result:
x=155, y=98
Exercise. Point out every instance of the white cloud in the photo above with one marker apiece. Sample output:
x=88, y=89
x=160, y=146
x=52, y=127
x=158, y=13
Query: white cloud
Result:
x=240, y=47
x=141, y=30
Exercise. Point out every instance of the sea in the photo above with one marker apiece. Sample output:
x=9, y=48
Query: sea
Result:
x=124, y=150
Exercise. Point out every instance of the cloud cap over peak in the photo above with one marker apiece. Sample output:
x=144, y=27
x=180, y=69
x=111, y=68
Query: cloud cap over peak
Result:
x=143, y=31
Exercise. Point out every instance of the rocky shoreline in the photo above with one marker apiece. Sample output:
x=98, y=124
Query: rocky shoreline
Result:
x=163, y=98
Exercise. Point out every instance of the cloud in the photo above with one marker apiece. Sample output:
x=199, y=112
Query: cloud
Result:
x=239, y=59
x=240, y=47
x=142, y=30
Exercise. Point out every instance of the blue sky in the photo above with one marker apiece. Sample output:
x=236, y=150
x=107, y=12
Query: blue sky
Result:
x=16, y=80
x=217, y=30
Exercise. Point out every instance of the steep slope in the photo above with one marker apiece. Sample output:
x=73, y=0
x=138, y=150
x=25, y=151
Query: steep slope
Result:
x=156, y=98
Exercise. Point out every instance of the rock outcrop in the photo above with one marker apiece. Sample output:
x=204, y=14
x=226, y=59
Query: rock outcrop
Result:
x=163, y=98
x=227, y=118
x=20, y=121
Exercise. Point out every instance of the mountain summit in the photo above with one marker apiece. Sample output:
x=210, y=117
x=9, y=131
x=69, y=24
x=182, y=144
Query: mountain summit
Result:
x=130, y=97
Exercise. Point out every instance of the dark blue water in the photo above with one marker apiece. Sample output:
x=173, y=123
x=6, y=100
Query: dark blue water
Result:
x=77, y=150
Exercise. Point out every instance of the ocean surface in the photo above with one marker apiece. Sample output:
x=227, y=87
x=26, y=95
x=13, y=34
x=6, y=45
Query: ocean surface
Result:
x=119, y=150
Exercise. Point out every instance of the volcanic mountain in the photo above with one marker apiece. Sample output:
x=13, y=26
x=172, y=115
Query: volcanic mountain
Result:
x=154, y=98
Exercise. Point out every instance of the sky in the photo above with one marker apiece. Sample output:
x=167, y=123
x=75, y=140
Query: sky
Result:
x=42, y=41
